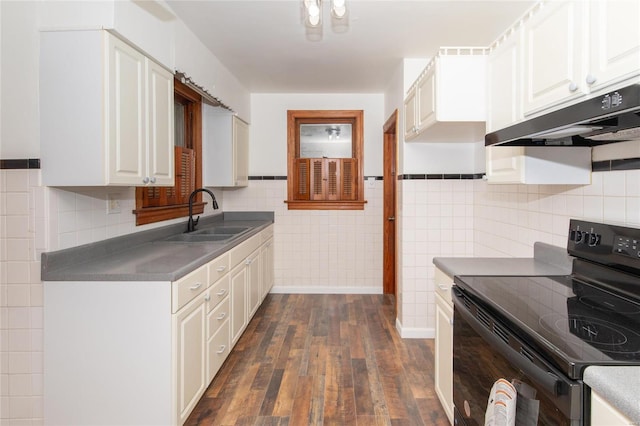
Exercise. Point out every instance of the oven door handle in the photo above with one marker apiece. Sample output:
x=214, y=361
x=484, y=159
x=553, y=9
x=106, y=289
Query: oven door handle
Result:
x=546, y=379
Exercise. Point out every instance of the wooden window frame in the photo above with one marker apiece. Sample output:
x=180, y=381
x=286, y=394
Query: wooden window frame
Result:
x=297, y=117
x=146, y=215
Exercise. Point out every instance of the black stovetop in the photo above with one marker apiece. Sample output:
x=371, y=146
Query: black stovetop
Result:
x=591, y=317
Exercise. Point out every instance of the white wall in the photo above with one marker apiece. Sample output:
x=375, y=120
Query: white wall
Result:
x=19, y=80
x=268, y=146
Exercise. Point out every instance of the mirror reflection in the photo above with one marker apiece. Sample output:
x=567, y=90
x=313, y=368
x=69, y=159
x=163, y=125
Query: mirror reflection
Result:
x=325, y=140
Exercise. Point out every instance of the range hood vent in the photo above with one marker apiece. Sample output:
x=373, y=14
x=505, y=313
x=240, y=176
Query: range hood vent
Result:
x=614, y=117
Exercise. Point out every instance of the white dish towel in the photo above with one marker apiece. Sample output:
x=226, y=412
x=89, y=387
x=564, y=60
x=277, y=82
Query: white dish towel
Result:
x=501, y=406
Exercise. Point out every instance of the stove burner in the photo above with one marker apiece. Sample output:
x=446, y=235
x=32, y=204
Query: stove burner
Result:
x=608, y=304
x=605, y=336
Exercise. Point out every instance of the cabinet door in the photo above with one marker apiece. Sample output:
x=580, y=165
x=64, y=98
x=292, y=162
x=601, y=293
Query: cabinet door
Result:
x=505, y=164
x=504, y=91
x=240, y=152
x=218, y=346
x=238, y=302
x=444, y=355
x=267, y=267
x=554, y=49
x=410, y=122
x=190, y=335
x=615, y=42
x=254, y=280
x=426, y=112
x=160, y=168
x=126, y=127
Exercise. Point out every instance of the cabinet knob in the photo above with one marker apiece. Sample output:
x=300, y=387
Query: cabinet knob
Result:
x=207, y=297
x=591, y=79
x=573, y=87
x=152, y=180
x=145, y=180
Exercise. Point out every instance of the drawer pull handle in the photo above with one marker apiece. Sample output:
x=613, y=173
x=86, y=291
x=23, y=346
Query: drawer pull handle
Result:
x=443, y=287
x=221, y=268
x=222, y=316
x=221, y=292
x=222, y=349
x=196, y=286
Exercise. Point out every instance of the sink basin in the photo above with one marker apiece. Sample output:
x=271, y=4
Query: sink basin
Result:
x=200, y=238
x=220, y=234
x=222, y=230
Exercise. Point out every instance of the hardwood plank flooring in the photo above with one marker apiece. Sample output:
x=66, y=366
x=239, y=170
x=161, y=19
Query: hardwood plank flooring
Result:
x=334, y=359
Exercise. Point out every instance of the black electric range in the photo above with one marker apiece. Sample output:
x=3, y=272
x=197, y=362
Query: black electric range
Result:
x=555, y=325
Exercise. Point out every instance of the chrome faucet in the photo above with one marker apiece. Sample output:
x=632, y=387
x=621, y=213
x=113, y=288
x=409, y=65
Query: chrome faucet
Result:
x=191, y=224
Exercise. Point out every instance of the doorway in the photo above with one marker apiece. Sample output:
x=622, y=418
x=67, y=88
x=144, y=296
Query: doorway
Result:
x=389, y=179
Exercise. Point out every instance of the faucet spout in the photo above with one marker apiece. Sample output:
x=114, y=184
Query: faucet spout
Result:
x=191, y=223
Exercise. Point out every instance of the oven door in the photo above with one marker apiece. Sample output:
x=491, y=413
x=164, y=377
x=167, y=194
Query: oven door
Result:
x=484, y=350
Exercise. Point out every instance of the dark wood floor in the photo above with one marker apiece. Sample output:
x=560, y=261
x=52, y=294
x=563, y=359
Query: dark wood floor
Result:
x=323, y=359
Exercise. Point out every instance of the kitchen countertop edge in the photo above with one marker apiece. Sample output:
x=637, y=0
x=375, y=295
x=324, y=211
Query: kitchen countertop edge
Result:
x=547, y=260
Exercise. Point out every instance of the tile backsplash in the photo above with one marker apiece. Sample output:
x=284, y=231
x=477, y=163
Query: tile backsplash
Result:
x=316, y=251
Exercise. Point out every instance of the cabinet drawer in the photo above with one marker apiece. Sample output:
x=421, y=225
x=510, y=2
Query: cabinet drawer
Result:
x=239, y=253
x=218, y=267
x=217, y=350
x=219, y=292
x=217, y=318
x=188, y=287
x=443, y=286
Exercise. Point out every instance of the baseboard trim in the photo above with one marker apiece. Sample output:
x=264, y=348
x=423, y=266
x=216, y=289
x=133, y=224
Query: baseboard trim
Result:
x=414, y=332
x=325, y=290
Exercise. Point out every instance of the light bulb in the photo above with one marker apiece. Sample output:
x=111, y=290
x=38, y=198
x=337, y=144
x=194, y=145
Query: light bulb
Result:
x=314, y=11
x=339, y=8
x=314, y=20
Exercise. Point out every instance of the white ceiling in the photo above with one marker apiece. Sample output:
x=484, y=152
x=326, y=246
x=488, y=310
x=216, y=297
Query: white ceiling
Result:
x=263, y=43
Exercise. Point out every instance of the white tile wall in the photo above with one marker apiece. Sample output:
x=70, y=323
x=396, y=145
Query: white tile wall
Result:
x=319, y=251
x=436, y=219
x=316, y=251
x=21, y=321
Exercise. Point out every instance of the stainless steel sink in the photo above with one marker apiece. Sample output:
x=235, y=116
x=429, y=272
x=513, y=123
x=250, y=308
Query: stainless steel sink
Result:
x=222, y=230
x=221, y=234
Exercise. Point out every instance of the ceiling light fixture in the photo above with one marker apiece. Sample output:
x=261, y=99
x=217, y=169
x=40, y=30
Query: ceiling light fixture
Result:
x=312, y=16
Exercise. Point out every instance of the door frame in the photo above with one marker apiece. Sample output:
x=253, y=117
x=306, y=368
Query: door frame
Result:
x=390, y=180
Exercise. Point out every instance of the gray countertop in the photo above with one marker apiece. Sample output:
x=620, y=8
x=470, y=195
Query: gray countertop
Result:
x=146, y=255
x=620, y=386
x=547, y=260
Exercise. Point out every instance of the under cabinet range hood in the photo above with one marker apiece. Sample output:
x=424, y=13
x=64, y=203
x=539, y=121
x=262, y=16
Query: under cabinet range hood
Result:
x=614, y=117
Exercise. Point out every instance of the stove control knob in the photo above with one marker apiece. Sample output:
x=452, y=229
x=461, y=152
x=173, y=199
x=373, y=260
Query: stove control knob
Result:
x=593, y=239
x=577, y=236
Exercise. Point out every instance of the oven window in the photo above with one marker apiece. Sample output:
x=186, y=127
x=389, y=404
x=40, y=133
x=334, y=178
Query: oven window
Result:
x=476, y=366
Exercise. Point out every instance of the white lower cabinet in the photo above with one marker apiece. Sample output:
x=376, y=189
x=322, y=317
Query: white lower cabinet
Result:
x=444, y=343
x=190, y=337
x=603, y=414
x=238, y=302
x=141, y=352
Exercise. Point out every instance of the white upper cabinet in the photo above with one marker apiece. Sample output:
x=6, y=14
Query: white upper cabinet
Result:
x=106, y=113
x=447, y=101
x=574, y=49
x=225, y=148
x=539, y=165
x=504, y=68
x=555, y=45
x=614, y=42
